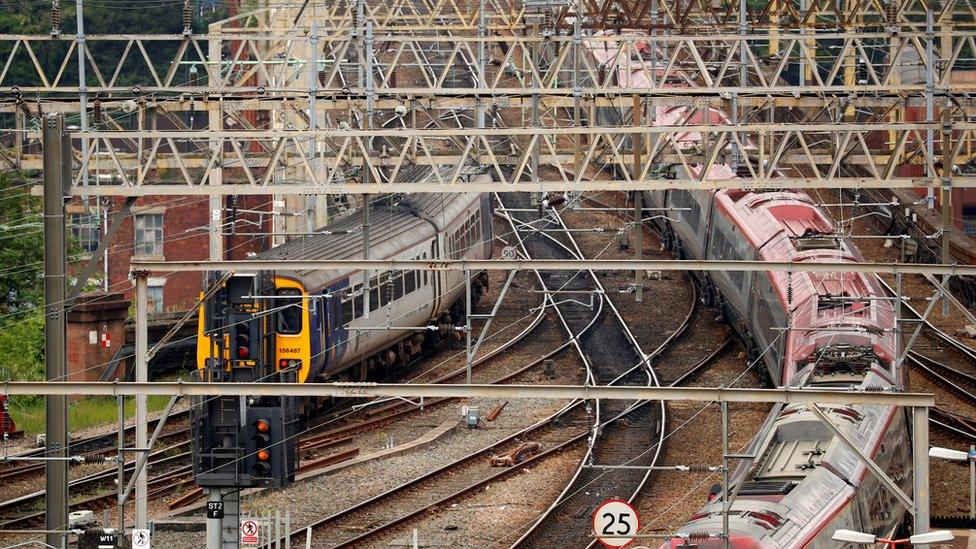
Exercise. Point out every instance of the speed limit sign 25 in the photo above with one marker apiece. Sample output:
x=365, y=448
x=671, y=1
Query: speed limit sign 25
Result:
x=615, y=523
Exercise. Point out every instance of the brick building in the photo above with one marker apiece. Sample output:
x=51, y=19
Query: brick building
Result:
x=171, y=228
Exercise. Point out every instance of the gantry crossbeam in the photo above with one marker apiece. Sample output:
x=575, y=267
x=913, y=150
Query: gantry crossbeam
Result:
x=445, y=64
x=416, y=390
x=345, y=154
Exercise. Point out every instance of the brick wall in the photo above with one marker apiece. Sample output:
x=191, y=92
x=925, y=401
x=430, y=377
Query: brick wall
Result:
x=96, y=330
x=185, y=229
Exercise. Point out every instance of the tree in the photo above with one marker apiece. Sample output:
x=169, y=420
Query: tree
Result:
x=18, y=17
x=21, y=246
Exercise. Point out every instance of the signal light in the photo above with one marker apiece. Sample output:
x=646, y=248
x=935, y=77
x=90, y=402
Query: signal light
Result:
x=243, y=346
x=283, y=363
x=262, y=425
x=263, y=455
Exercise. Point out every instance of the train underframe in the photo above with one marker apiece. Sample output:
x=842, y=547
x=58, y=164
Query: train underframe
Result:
x=386, y=363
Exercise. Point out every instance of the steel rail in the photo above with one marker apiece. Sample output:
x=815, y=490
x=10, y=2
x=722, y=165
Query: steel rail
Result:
x=644, y=361
x=546, y=422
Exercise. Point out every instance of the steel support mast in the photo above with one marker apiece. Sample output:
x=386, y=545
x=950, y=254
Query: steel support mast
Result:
x=57, y=171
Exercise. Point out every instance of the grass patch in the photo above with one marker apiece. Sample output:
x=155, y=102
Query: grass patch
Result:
x=82, y=413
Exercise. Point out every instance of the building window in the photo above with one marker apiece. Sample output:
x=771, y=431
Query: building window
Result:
x=969, y=220
x=154, y=298
x=85, y=230
x=149, y=234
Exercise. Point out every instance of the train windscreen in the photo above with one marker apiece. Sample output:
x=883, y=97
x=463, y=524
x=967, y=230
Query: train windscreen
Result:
x=289, y=311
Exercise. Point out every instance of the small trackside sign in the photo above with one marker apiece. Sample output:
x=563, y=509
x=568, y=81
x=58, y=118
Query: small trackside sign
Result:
x=249, y=532
x=140, y=539
x=215, y=509
x=615, y=523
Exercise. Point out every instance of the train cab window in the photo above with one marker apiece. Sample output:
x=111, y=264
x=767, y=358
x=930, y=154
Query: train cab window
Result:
x=289, y=311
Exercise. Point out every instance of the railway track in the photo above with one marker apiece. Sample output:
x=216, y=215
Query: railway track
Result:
x=90, y=448
x=949, y=365
x=417, y=496
x=98, y=490
x=623, y=431
x=356, y=524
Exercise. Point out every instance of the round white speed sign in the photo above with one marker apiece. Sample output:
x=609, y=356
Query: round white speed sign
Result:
x=615, y=523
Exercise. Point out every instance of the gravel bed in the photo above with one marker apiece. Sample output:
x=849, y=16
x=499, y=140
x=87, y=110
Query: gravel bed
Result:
x=672, y=497
x=321, y=496
x=648, y=320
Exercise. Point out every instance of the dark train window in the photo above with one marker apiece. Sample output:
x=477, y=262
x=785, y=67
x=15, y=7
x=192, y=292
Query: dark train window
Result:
x=347, y=307
x=684, y=199
x=723, y=248
x=357, y=301
x=290, y=311
x=374, y=293
x=409, y=281
x=397, y=285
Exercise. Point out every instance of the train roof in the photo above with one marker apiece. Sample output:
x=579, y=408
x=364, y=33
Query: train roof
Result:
x=397, y=222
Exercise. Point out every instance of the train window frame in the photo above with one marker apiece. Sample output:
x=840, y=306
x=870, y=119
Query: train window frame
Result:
x=357, y=301
x=409, y=282
x=374, y=293
x=397, y=285
x=347, y=306
x=290, y=300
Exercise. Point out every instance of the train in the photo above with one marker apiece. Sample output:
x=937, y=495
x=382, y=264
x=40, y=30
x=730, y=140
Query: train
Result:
x=334, y=324
x=834, y=331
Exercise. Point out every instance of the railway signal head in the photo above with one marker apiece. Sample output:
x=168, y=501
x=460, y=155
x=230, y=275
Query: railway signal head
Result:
x=269, y=454
x=261, y=442
x=243, y=345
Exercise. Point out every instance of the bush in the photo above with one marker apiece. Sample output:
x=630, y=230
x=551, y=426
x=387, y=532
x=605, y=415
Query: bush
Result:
x=22, y=351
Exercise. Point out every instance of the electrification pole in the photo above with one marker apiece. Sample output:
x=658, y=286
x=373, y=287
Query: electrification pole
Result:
x=57, y=170
x=142, y=376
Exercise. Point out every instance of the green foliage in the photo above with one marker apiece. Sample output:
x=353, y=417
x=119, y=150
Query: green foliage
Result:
x=21, y=246
x=18, y=17
x=22, y=352
x=82, y=413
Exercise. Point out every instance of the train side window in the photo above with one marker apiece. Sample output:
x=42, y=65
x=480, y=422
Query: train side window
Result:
x=290, y=311
x=409, y=282
x=374, y=294
x=398, y=286
x=357, y=301
x=347, y=307
x=684, y=199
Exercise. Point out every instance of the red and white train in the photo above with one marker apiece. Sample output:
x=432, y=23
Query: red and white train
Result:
x=823, y=330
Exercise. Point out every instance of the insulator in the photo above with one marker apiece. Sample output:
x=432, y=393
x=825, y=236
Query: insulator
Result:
x=789, y=289
x=891, y=12
x=187, y=18
x=97, y=111
x=698, y=536
x=55, y=17
x=25, y=110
